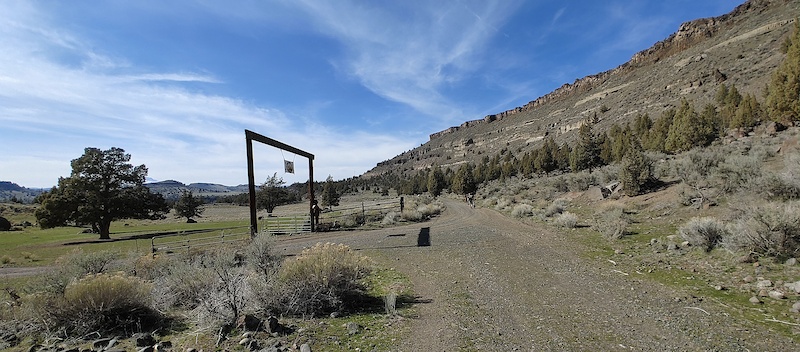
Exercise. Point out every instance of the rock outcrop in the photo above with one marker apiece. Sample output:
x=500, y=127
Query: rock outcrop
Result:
x=688, y=34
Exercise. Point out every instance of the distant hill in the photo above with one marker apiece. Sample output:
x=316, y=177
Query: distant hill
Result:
x=172, y=189
x=10, y=186
x=741, y=48
x=11, y=191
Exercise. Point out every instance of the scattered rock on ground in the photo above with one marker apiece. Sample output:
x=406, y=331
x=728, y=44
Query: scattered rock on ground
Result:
x=764, y=284
x=144, y=339
x=5, y=225
x=273, y=325
x=796, y=307
x=249, y=322
x=776, y=295
x=352, y=328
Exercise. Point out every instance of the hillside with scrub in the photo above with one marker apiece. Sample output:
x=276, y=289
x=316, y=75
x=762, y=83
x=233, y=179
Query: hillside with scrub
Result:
x=654, y=206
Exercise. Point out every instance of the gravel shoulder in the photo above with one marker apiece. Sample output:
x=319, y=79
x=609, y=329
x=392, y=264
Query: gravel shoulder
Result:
x=488, y=282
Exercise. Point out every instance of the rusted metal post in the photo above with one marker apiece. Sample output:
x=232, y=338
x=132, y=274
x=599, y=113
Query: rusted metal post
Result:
x=250, y=136
x=311, y=191
x=251, y=186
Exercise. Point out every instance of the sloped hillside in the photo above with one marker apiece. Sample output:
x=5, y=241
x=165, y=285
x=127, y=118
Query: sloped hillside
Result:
x=739, y=49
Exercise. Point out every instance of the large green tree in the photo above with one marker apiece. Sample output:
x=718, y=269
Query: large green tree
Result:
x=464, y=181
x=636, y=169
x=783, y=93
x=436, y=182
x=586, y=154
x=689, y=129
x=188, y=206
x=103, y=187
x=330, y=197
x=272, y=194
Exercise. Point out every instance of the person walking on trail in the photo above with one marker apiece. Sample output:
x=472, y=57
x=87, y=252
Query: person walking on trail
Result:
x=471, y=200
x=315, y=210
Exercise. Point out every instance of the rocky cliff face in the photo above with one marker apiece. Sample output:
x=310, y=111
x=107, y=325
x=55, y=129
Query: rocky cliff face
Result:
x=689, y=34
x=741, y=48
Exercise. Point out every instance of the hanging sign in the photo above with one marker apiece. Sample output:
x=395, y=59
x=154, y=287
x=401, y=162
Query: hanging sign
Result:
x=288, y=166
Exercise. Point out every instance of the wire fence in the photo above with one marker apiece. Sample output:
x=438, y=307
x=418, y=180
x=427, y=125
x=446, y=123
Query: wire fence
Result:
x=339, y=218
x=186, y=241
x=358, y=215
x=286, y=224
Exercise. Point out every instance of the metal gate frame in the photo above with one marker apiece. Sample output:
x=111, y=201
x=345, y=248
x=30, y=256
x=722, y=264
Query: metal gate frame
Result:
x=251, y=136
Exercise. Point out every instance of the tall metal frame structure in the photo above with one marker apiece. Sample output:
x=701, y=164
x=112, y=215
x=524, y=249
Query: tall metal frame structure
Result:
x=251, y=136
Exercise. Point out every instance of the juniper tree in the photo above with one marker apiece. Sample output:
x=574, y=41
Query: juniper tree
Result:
x=330, y=197
x=188, y=206
x=586, y=153
x=636, y=169
x=436, y=181
x=783, y=92
x=103, y=187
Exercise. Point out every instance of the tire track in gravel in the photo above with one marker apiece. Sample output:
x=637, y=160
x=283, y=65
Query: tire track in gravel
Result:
x=493, y=283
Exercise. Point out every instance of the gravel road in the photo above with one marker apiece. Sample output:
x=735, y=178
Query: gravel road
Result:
x=488, y=282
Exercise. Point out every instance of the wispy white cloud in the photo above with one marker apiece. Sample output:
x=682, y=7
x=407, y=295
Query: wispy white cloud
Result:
x=410, y=53
x=51, y=109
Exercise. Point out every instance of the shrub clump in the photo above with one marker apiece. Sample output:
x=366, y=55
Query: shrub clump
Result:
x=391, y=218
x=772, y=229
x=557, y=207
x=612, y=223
x=703, y=232
x=322, y=279
x=421, y=209
x=566, y=220
x=522, y=210
x=104, y=302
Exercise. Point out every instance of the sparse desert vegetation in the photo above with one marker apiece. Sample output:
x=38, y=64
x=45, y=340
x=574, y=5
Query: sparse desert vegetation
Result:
x=124, y=290
x=677, y=209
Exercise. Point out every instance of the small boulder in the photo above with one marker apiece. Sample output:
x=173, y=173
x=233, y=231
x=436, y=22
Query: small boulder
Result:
x=352, y=328
x=144, y=339
x=791, y=262
x=672, y=247
x=776, y=295
x=249, y=322
x=796, y=307
x=763, y=284
x=5, y=225
x=755, y=300
x=163, y=346
x=102, y=344
x=305, y=348
x=774, y=127
x=595, y=193
x=274, y=325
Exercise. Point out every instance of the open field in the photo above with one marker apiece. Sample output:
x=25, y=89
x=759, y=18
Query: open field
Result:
x=33, y=254
x=32, y=246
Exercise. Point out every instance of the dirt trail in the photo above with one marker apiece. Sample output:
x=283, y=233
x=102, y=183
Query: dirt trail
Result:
x=488, y=282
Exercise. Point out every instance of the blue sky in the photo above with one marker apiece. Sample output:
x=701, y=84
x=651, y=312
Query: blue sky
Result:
x=175, y=83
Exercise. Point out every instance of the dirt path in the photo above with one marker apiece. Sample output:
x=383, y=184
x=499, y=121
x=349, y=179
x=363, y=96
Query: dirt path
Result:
x=491, y=283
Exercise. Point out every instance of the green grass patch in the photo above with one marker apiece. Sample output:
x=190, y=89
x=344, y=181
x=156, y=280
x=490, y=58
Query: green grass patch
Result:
x=33, y=246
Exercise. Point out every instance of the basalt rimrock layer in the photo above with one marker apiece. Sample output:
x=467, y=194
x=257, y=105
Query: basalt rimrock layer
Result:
x=740, y=48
